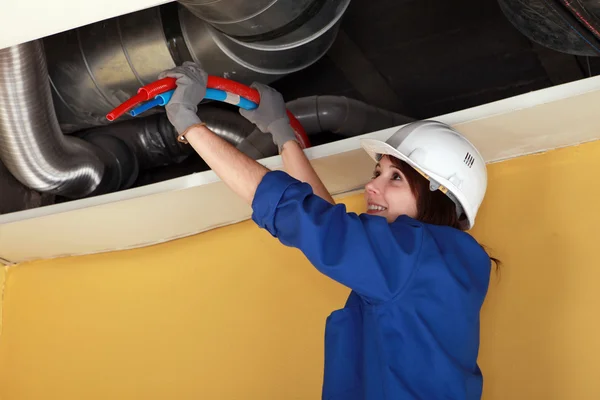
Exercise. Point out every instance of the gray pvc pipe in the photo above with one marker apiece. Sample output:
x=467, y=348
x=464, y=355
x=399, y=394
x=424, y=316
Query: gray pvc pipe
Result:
x=342, y=115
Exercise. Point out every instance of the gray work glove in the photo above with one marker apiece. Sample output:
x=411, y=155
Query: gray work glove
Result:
x=270, y=116
x=191, y=89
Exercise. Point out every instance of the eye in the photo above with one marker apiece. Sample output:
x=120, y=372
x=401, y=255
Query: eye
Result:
x=375, y=174
x=396, y=177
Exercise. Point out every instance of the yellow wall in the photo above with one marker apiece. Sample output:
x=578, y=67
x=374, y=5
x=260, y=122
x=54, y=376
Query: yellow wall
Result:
x=231, y=314
x=3, y=270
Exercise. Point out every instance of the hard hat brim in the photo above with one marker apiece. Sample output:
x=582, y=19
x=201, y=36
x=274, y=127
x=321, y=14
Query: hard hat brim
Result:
x=376, y=148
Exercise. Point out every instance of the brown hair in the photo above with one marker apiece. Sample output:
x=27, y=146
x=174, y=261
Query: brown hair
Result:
x=433, y=207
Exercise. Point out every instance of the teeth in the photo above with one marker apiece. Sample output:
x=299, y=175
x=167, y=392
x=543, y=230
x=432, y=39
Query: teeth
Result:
x=376, y=207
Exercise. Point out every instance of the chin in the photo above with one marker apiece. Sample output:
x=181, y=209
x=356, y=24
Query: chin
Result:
x=392, y=218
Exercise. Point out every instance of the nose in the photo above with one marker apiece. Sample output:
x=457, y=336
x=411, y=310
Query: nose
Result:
x=374, y=186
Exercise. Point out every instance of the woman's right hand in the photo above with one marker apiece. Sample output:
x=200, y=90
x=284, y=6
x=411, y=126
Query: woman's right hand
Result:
x=191, y=89
x=271, y=115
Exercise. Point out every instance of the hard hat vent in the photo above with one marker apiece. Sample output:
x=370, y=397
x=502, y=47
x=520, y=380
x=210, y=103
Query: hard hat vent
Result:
x=469, y=160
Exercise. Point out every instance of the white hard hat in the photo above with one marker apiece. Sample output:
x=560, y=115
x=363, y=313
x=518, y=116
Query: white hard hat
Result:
x=442, y=155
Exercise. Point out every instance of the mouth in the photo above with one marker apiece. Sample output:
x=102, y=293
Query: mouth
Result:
x=375, y=208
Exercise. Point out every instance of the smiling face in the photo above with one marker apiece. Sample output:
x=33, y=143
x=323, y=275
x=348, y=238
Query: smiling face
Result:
x=389, y=194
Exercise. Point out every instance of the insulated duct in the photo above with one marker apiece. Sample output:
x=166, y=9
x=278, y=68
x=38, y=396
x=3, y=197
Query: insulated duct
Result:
x=342, y=115
x=153, y=139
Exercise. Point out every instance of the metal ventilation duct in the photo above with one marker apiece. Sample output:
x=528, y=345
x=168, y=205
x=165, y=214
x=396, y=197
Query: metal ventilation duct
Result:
x=108, y=158
x=251, y=19
x=96, y=67
x=31, y=144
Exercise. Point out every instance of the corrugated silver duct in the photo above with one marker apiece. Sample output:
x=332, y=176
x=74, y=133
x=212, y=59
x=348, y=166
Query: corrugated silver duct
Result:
x=90, y=79
x=31, y=144
x=339, y=114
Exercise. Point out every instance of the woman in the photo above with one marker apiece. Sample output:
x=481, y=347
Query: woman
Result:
x=410, y=328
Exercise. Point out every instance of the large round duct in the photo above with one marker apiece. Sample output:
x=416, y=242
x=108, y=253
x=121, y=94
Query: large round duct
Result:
x=267, y=60
x=96, y=67
x=251, y=18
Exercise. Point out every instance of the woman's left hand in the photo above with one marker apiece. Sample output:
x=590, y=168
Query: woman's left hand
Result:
x=271, y=115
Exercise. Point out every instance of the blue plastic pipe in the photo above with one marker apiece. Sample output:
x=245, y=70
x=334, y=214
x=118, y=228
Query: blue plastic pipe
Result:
x=211, y=94
x=234, y=99
x=160, y=100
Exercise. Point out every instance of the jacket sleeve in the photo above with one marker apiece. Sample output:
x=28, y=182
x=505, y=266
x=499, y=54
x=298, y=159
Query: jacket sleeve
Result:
x=364, y=252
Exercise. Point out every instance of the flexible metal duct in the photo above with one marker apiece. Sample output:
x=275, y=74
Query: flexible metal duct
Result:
x=31, y=144
x=88, y=79
x=339, y=114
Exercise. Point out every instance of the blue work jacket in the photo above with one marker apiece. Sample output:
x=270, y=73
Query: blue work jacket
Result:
x=410, y=328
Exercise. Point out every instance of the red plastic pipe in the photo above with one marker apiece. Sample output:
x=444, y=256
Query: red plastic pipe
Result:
x=144, y=93
x=298, y=130
x=214, y=82
x=123, y=108
x=158, y=87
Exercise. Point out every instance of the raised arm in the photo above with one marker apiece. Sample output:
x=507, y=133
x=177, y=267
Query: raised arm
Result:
x=270, y=117
x=241, y=173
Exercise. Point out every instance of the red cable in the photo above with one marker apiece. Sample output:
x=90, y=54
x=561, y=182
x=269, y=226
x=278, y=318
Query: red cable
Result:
x=214, y=82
